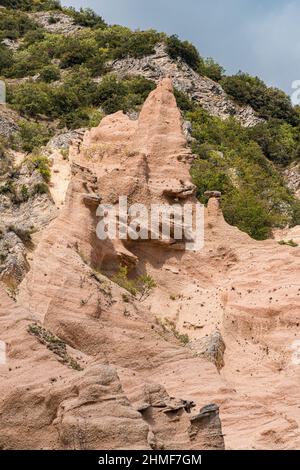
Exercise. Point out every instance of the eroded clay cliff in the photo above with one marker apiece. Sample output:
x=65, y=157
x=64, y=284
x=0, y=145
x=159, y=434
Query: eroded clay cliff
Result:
x=88, y=366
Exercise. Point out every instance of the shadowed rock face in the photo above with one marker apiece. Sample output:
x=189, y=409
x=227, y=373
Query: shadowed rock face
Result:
x=292, y=177
x=211, y=347
x=115, y=373
x=62, y=24
x=208, y=421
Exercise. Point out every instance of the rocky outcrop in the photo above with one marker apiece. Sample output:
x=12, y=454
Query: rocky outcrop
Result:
x=25, y=208
x=201, y=89
x=292, y=178
x=65, y=139
x=11, y=44
x=55, y=22
x=210, y=347
x=13, y=261
x=169, y=418
x=8, y=121
x=208, y=420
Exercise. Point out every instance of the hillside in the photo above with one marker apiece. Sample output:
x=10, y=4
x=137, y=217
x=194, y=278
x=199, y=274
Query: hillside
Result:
x=142, y=344
x=66, y=69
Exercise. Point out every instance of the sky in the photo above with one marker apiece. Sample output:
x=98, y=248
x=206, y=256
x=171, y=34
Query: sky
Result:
x=261, y=37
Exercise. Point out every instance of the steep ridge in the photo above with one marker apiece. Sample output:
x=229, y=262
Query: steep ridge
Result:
x=114, y=372
x=202, y=89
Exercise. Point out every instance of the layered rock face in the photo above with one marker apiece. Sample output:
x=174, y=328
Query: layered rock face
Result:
x=90, y=367
x=8, y=121
x=55, y=22
x=202, y=89
x=292, y=178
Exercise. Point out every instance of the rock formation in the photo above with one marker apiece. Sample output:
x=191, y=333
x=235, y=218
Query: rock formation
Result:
x=202, y=89
x=55, y=22
x=88, y=366
x=8, y=121
x=292, y=178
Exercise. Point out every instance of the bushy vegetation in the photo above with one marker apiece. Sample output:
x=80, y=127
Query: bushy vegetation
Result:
x=288, y=243
x=139, y=287
x=87, y=17
x=41, y=164
x=31, y=135
x=75, y=100
x=113, y=94
x=92, y=47
x=119, y=42
x=268, y=102
x=32, y=5
x=5, y=58
x=14, y=24
x=186, y=51
x=279, y=140
x=5, y=162
x=54, y=344
x=50, y=73
x=231, y=160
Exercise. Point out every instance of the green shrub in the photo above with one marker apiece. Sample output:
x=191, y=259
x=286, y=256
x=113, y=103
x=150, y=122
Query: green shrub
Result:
x=209, y=176
x=31, y=99
x=5, y=59
x=278, y=140
x=231, y=160
x=212, y=70
x=139, y=287
x=95, y=116
x=33, y=36
x=268, y=102
x=40, y=188
x=75, y=119
x=121, y=278
x=247, y=212
x=183, y=101
x=114, y=95
x=144, y=284
x=137, y=90
x=7, y=187
x=24, y=193
x=50, y=73
x=31, y=135
x=81, y=50
x=41, y=164
x=87, y=17
x=119, y=42
x=288, y=243
x=184, y=50
x=14, y=24
x=110, y=94
x=26, y=64
x=32, y=5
